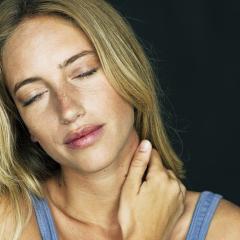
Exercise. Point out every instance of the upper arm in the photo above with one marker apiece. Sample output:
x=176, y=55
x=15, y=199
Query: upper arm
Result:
x=226, y=222
x=6, y=218
x=30, y=231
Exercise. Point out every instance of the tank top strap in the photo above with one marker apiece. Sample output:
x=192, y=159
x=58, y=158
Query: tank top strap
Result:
x=44, y=218
x=203, y=214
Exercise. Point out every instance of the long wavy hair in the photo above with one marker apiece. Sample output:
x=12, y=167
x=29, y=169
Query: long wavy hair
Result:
x=23, y=164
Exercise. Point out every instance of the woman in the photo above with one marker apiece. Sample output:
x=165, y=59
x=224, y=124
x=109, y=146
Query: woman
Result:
x=77, y=97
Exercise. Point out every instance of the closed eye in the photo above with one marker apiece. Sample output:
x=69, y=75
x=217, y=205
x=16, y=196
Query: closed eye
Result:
x=33, y=99
x=86, y=74
x=38, y=96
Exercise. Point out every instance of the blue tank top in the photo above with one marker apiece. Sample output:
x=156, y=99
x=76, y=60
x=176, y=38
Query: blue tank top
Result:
x=202, y=217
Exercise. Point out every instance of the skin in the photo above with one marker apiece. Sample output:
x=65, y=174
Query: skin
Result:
x=94, y=171
x=95, y=174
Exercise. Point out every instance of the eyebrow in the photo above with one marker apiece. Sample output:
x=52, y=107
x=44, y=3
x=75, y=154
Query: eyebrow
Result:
x=75, y=57
x=25, y=82
x=61, y=66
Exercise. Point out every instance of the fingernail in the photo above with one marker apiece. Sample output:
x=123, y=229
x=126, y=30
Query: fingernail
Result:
x=144, y=146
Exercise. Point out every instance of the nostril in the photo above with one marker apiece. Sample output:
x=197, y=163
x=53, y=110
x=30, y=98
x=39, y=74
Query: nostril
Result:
x=64, y=122
x=70, y=117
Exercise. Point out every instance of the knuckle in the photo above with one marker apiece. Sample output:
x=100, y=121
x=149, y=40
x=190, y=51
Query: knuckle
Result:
x=181, y=209
x=155, y=154
x=171, y=173
x=184, y=190
x=159, y=178
x=139, y=161
x=175, y=187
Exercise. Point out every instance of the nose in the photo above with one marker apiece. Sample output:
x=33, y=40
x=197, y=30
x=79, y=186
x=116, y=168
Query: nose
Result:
x=69, y=110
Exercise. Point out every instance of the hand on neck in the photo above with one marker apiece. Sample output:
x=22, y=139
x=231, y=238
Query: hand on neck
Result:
x=94, y=198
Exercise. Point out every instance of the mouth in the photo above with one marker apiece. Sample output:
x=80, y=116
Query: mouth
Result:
x=84, y=137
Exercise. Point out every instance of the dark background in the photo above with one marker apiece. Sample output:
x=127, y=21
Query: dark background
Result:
x=194, y=47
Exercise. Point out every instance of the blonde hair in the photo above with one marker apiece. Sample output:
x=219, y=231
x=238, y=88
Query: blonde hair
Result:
x=23, y=164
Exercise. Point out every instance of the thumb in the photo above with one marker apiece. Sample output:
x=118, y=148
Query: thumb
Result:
x=137, y=167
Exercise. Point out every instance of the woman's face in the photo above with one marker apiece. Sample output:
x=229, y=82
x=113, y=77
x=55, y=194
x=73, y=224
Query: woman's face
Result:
x=57, y=99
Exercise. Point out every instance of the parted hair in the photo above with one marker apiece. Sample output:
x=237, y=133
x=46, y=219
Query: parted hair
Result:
x=24, y=165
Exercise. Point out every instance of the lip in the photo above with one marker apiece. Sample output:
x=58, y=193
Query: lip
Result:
x=83, y=136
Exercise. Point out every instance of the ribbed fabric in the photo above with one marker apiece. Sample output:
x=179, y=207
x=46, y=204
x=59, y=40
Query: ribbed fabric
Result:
x=44, y=218
x=202, y=216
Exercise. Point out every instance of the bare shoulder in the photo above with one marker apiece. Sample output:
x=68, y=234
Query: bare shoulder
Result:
x=181, y=229
x=226, y=222
x=31, y=230
x=224, y=225
x=7, y=223
x=6, y=218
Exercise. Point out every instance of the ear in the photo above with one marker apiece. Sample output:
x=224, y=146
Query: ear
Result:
x=33, y=138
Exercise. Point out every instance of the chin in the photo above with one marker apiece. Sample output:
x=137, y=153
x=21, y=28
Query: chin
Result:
x=104, y=155
x=100, y=159
x=95, y=164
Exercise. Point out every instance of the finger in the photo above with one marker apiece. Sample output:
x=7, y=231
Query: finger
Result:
x=138, y=166
x=172, y=174
x=156, y=169
x=155, y=164
x=182, y=189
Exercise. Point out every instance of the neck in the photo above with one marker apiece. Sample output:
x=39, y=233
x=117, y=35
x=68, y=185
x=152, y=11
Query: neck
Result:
x=94, y=198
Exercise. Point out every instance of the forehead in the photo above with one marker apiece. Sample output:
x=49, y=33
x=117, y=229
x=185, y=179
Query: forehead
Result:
x=41, y=41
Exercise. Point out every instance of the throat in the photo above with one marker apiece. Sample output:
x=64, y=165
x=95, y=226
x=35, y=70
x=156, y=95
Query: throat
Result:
x=91, y=200
x=87, y=203
x=86, y=232
x=97, y=220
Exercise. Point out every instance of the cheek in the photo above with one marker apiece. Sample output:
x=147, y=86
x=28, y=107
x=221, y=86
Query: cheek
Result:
x=113, y=105
x=108, y=102
x=28, y=120
x=39, y=127
x=121, y=110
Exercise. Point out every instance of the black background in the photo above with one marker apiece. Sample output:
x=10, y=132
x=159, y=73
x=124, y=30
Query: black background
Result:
x=194, y=47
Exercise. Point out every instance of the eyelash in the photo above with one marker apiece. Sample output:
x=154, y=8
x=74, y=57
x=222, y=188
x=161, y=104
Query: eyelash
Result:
x=87, y=74
x=33, y=99
x=38, y=96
